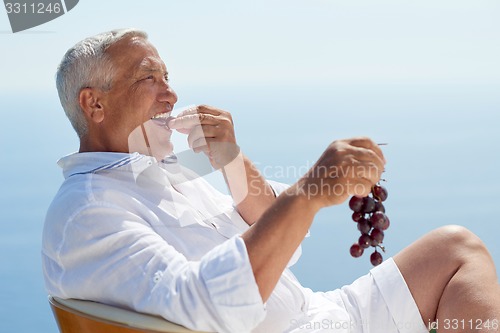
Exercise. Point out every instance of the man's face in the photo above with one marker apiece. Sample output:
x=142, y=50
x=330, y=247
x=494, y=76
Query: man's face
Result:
x=139, y=91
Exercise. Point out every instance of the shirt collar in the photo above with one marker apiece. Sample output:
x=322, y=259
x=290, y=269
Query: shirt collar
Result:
x=92, y=162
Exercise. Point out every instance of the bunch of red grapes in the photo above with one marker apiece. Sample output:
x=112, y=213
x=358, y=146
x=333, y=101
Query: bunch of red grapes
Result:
x=369, y=214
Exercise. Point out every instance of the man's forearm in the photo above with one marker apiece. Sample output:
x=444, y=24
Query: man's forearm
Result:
x=273, y=239
x=251, y=193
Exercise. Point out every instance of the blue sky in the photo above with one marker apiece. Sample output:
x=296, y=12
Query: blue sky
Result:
x=284, y=42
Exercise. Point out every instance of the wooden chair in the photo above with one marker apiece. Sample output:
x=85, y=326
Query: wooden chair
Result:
x=77, y=316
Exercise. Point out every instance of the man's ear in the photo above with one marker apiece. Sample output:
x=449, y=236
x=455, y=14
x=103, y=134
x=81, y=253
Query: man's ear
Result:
x=90, y=103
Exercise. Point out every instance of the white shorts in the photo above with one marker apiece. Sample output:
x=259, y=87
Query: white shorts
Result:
x=379, y=302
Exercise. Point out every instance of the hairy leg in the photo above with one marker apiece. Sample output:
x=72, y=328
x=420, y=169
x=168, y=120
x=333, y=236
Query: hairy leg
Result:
x=453, y=280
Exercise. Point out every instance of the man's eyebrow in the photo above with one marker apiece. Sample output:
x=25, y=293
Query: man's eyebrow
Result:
x=149, y=66
x=150, y=69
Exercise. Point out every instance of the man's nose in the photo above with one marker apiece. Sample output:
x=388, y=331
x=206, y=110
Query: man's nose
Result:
x=167, y=94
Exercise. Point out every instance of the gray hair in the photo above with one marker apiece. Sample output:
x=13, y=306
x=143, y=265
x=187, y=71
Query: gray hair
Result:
x=87, y=65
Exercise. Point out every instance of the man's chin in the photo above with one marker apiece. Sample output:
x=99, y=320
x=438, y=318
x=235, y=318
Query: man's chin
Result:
x=151, y=139
x=165, y=151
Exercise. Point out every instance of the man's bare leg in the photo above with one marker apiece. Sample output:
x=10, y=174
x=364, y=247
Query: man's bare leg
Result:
x=453, y=280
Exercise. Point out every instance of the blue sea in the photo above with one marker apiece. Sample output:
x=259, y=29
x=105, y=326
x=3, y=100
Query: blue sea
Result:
x=443, y=168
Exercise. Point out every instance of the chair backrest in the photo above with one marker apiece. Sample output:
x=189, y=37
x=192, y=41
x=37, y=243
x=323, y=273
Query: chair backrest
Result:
x=78, y=316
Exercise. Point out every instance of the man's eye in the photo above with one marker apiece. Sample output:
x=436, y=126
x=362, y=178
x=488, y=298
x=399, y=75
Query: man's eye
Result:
x=150, y=77
x=165, y=77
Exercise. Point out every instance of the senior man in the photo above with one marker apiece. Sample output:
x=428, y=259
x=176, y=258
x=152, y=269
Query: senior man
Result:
x=133, y=228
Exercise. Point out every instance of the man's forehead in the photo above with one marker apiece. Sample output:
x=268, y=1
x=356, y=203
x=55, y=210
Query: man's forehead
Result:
x=129, y=44
x=138, y=54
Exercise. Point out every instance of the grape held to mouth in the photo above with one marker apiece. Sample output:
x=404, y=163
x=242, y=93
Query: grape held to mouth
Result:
x=369, y=215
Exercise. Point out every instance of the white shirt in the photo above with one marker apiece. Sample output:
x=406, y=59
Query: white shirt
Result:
x=128, y=231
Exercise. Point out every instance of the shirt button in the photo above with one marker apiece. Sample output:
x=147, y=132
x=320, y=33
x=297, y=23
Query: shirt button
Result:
x=157, y=277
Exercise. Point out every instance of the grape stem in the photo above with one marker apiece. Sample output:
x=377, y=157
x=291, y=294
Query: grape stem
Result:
x=381, y=247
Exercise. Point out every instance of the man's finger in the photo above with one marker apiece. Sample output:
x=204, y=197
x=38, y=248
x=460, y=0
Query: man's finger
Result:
x=360, y=187
x=191, y=120
x=200, y=132
x=199, y=109
x=192, y=109
x=202, y=148
x=200, y=144
x=367, y=143
x=369, y=155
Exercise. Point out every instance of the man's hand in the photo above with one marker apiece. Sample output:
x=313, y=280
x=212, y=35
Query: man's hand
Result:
x=210, y=130
x=347, y=167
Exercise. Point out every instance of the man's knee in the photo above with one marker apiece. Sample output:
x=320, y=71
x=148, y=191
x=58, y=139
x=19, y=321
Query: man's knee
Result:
x=459, y=241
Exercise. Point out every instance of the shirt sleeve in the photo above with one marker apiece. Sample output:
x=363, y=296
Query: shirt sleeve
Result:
x=277, y=187
x=109, y=255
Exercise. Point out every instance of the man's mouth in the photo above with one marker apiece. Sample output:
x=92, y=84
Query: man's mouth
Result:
x=162, y=119
x=161, y=115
